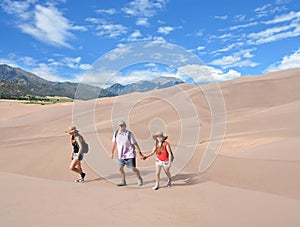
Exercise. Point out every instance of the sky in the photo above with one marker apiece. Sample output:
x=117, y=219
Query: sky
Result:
x=61, y=40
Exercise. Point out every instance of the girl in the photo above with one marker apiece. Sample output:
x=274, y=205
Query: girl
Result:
x=77, y=153
x=164, y=155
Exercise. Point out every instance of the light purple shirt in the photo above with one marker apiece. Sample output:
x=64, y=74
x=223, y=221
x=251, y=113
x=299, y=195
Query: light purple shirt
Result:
x=125, y=147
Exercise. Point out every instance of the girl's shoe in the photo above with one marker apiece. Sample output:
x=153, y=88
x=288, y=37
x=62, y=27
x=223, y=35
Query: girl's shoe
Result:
x=79, y=180
x=169, y=184
x=156, y=187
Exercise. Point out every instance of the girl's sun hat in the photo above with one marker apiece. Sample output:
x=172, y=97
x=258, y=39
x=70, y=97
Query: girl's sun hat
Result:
x=159, y=133
x=71, y=129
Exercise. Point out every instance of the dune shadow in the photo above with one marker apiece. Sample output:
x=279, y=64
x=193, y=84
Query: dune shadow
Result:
x=94, y=180
x=129, y=174
x=187, y=179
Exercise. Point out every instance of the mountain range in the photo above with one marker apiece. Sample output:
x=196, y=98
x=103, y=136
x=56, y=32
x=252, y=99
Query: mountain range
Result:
x=144, y=85
x=15, y=82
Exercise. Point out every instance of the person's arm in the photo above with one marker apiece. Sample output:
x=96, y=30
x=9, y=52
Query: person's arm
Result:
x=113, y=147
x=79, y=140
x=137, y=147
x=151, y=153
x=169, y=153
x=72, y=154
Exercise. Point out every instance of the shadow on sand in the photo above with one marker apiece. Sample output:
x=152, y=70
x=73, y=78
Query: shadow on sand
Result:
x=187, y=179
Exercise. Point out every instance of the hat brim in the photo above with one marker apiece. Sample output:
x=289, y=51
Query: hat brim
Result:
x=155, y=136
x=71, y=131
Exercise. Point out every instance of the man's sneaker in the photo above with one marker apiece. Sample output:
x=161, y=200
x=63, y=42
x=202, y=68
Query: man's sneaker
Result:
x=169, y=184
x=156, y=187
x=122, y=183
x=140, y=181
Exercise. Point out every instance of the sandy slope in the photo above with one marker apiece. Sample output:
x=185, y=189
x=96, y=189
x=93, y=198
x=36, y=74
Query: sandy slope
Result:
x=253, y=182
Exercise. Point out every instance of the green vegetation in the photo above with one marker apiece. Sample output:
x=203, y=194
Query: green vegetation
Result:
x=33, y=99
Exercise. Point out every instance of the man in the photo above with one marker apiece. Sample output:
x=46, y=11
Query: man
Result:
x=127, y=146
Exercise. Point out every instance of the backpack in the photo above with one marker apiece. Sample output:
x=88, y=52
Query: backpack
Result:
x=85, y=146
x=129, y=136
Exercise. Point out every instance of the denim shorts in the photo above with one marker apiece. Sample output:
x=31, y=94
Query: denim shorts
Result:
x=129, y=162
x=80, y=156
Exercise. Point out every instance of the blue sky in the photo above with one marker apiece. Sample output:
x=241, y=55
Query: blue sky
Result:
x=59, y=40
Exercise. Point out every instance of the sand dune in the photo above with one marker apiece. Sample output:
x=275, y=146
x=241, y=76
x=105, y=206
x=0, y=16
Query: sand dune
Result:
x=254, y=180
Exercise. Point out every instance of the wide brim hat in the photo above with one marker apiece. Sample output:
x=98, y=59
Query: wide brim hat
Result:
x=71, y=129
x=159, y=133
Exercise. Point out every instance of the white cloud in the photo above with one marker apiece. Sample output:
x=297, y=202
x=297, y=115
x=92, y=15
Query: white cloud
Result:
x=107, y=11
x=286, y=17
x=269, y=9
x=236, y=27
x=199, y=73
x=142, y=22
x=48, y=69
x=135, y=36
x=200, y=48
x=119, y=52
x=165, y=30
x=262, y=8
x=144, y=8
x=137, y=75
x=205, y=74
x=225, y=49
x=102, y=78
x=45, y=23
x=8, y=62
x=288, y=62
x=221, y=17
x=240, y=17
x=237, y=59
x=111, y=30
x=95, y=20
x=47, y=72
x=226, y=61
x=74, y=63
x=48, y=26
x=79, y=28
x=105, y=78
x=274, y=34
x=16, y=7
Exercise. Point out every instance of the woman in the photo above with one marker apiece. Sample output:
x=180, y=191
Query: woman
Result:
x=164, y=155
x=77, y=153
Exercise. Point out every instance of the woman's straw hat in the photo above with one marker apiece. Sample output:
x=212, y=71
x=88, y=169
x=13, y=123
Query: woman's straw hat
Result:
x=72, y=129
x=159, y=133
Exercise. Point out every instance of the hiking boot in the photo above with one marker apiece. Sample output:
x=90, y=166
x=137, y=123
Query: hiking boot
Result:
x=156, y=187
x=122, y=183
x=140, y=181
